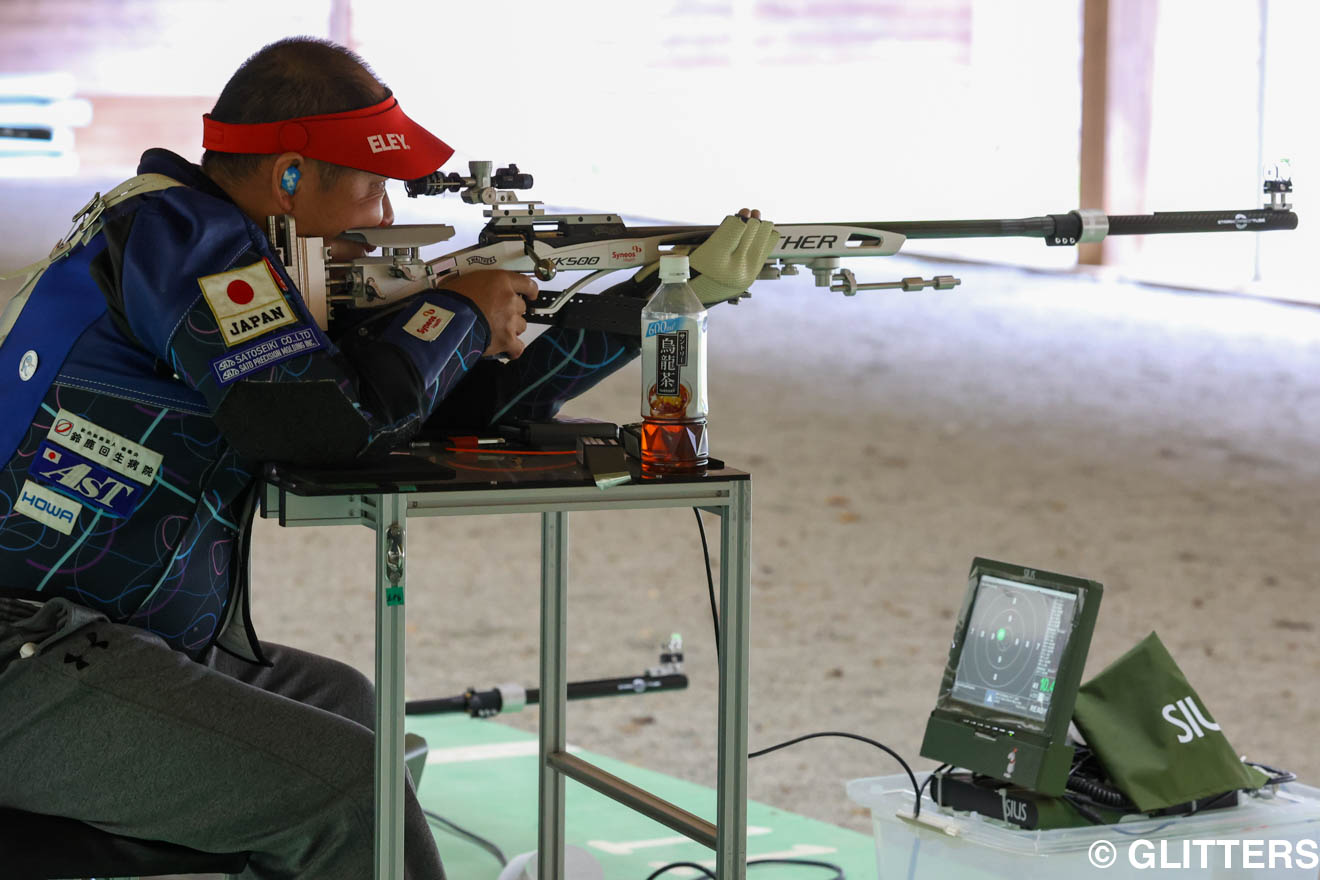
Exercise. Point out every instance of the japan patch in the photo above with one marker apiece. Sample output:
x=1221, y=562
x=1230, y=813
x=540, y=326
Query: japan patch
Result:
x=246, y=302
x=101, y=447
x=47, y=507
x=429, y=322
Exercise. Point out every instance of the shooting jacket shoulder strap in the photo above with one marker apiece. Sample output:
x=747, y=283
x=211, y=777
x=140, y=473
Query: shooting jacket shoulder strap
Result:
x=86, y=223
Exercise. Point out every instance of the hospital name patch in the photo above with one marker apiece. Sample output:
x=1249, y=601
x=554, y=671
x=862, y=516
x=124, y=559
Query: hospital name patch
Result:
x=47, y=507
x=235, y=365
x=106, y=448
x=246, y=302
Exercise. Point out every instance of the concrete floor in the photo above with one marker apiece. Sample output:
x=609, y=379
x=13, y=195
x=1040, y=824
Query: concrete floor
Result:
x=1162, y=443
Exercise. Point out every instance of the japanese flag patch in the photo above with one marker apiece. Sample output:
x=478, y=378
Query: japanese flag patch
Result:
x=429, y=322
x=246, y=302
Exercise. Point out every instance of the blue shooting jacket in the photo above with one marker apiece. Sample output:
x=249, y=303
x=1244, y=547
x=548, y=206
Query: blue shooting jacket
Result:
x=150, y=373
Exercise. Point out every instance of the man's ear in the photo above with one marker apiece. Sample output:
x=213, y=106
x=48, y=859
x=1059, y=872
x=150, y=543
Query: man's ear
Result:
x=284, y=179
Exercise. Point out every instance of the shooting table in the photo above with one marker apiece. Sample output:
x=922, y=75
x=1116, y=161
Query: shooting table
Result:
x=430, y=480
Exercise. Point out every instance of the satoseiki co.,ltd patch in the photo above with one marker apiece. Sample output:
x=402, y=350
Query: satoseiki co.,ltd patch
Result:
x=234, y=365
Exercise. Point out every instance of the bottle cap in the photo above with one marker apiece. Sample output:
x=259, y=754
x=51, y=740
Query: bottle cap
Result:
x=674, y=268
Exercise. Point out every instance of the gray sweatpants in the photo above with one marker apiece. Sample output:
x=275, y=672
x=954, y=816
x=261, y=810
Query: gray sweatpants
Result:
x=106, y=724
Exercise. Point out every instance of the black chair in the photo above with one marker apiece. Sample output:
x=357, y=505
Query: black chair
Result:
x=36, y=847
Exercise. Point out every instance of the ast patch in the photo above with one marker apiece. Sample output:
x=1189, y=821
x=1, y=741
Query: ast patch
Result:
x=85, y=480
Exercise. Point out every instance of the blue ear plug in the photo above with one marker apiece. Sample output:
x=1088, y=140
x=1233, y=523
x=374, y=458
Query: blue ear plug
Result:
x=289, y=180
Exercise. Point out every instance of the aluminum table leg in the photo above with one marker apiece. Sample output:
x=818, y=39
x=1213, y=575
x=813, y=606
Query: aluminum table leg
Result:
x=554, y=691
x=391, y=529
x=735, y=567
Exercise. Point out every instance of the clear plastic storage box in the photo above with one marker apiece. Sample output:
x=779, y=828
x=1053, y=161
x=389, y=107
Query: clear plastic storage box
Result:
x=1271, y=835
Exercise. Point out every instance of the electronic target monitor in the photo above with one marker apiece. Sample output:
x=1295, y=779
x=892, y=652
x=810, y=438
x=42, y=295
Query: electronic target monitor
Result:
x=1015, y=663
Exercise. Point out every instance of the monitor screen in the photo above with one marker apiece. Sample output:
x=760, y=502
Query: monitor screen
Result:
x=1015, y=640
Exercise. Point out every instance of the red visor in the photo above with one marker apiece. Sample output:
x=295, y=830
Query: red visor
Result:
x=379, y=139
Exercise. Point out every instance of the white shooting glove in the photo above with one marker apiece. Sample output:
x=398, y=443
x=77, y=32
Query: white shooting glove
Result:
x=730, y=259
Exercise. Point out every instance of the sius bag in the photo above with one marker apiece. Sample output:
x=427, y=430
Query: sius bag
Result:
x=1154, y=735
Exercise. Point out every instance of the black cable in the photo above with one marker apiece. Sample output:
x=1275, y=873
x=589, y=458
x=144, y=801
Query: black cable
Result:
x=672, y=865
x=1104, y=795
x=468, y=835
x=829, y=866
x=1098, y=792
x=710, y=581
x=715, y=620
x=1087, y=813
x=1277, y=776
x=916, y=807
x=1095, y=790
x=925, y=782
x=1096, y=819
x=1207, y=803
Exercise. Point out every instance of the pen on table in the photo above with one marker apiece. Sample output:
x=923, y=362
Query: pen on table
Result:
x=465, y=442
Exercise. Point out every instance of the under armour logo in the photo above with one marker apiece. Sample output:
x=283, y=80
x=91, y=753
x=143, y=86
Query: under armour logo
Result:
x=92, y=642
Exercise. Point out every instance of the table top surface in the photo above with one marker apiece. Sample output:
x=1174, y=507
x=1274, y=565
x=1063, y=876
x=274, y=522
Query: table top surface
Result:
x=437, y=467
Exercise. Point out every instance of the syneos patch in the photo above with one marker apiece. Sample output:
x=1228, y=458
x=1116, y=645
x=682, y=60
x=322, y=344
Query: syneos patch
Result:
x=246, y=302
x=97, y=486
x=429, y=322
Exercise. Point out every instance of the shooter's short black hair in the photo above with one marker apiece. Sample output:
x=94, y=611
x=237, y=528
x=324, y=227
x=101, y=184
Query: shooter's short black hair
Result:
x=296, y=76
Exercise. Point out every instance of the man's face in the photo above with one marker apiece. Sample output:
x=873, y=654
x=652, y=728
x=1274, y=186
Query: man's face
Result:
x=353, y=198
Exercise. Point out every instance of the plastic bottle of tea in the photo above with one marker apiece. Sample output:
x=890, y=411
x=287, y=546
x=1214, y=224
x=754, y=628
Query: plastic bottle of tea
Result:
x=674, y=405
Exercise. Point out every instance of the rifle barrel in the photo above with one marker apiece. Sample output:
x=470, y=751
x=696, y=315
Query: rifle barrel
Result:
x=1255, y=220
x=1252, y=219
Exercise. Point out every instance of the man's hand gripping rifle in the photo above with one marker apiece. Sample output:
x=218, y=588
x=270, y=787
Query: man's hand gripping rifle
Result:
x=521, y=237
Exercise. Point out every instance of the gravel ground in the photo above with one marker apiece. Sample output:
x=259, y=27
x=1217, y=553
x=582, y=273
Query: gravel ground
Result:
x=1162, y=443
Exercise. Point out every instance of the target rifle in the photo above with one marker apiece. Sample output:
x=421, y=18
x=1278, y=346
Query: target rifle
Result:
x=521, y=237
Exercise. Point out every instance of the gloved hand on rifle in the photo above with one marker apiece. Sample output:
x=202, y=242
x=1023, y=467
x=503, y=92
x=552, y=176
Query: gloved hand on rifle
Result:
x=727, y=263
x=562, y=363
